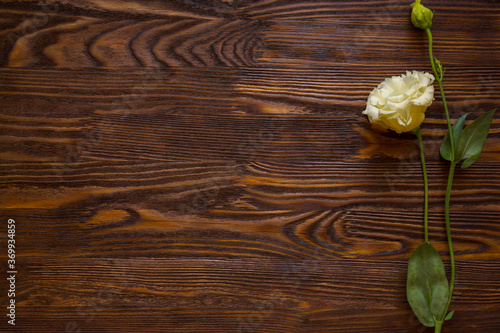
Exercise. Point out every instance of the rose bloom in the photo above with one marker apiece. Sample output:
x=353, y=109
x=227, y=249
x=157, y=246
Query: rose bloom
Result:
x=399, y=103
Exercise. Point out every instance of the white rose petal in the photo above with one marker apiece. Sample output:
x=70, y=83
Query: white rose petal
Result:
x=399, y=103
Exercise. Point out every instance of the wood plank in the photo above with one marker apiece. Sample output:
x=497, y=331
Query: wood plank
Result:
x=236, y=115
x=192, y=225
x=335, y=90
x=246, y=295
x=240, y=33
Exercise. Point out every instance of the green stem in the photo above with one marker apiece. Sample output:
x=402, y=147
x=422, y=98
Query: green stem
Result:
x=426, y=184
x=448, y=232
x=437, y=328
x=439, y=79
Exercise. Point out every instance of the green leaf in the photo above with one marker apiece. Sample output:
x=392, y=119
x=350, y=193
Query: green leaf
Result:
x=449, y=315
x=472, y=139
x=468, y=162
x=457, y=130
x=427, y=287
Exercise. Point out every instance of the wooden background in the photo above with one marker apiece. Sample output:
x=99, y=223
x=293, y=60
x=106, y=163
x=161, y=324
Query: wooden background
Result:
x=203, y=166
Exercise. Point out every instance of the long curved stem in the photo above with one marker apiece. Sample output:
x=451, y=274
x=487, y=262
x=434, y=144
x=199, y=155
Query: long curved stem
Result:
x=439, y=79
x=426, y=184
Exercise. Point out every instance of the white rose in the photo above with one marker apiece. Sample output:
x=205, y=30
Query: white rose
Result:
x=399, y=103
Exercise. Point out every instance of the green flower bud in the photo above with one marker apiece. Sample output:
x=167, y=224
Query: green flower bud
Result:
x=421, y=17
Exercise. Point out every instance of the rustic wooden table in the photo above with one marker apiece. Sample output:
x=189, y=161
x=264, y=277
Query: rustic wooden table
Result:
x=203, y=165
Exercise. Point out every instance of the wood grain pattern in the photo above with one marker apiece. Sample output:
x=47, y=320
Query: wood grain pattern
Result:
x=203, y=166
x=106, y=226
x=247, y=295
x=120, y=33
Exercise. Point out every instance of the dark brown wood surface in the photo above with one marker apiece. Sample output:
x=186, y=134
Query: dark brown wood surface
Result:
x=203, y=166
